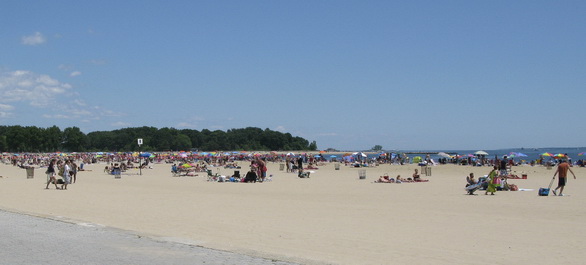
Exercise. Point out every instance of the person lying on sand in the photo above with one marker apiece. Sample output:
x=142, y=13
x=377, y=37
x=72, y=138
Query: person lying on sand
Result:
x=385, y=179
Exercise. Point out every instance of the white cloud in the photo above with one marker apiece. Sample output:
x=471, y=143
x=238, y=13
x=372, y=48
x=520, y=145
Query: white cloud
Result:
x=185, y=125
x=35, y=39
x=327, y=134
x=56, y=116
x=75, y=73
x=280, y=128
x=79, y=102
x=120, y=124
x=6, y=107
x=19, y=90
x=25, y=86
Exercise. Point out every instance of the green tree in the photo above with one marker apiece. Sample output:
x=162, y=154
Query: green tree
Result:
x=73, y=139
x=377, y=148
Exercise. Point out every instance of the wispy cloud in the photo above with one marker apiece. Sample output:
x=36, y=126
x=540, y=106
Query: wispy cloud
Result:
x=327, y=134
x=35, y=39
x=186, y=125
x=56, y=99
x=98, y=62
x=6, y=107
x=120, y=124
x=75, y=73
x=26, y=86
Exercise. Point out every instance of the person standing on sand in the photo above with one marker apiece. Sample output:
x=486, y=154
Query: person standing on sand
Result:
x=262, y=169
x=492, y=176
x=563, y=168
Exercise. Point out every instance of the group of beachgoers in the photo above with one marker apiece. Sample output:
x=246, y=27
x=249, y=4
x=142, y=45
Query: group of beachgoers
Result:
x=62, y=172
x=257, y=173
x=496, y=180
x=416, y=177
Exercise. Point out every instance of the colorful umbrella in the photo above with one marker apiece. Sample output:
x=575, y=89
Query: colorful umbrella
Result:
x=560, y=155
x=546, y=154
x=581, y=154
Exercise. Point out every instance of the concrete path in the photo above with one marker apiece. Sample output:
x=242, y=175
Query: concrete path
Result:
x=27, y=239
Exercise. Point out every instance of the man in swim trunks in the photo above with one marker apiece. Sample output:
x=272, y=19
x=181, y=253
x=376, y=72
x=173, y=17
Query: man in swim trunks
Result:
x=563, y=168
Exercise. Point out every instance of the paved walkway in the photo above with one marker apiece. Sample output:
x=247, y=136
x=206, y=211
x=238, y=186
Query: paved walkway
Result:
x=33, y=240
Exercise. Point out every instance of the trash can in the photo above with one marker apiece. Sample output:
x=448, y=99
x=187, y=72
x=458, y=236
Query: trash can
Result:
x=428, y=171
x=337, y=166
x=30, y=173
x=362, y=174
x=281, y=167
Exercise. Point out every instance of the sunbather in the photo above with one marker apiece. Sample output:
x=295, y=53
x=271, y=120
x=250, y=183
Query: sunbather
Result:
x=385, y=179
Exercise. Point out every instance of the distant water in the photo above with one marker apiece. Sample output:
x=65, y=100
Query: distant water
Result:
x=532, y=153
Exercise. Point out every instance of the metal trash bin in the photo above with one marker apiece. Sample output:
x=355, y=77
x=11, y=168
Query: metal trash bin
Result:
x=362, y=174
x=337, y=166
x=30, y=173
x=281, y=167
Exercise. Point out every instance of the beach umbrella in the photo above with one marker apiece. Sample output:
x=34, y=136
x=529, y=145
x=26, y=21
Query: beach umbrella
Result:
x=581, y=154
x=186, y=165
x=546, y=154
x=521, y=155
x=443, y=154
x=560, y=155
x=290, y=154
x=145, y=155
x=481, y=153
x=333, y=156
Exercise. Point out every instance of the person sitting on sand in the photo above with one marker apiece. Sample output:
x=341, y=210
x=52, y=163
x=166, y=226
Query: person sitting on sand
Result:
x=399, y=179
x=470, y=180
x=303, y=174
x=416, y=176
x=251, y=176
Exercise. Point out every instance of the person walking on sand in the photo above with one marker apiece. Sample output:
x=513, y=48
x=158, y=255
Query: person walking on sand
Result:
x=492, y=178
x=51, y=175
x=66, y=174
x=562, y=173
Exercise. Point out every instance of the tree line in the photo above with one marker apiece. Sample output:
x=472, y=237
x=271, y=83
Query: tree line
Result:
x=72, y=139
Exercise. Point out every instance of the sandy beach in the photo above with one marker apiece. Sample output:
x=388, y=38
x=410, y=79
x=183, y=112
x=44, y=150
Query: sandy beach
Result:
x=331, y=218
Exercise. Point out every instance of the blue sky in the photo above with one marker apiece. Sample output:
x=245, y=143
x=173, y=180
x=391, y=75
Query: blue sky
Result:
x=347, y=74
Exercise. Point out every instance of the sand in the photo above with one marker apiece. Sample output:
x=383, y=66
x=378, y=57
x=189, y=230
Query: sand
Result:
x=331, y=218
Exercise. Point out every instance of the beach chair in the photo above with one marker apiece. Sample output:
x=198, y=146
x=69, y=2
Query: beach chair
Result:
x=212, y=177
